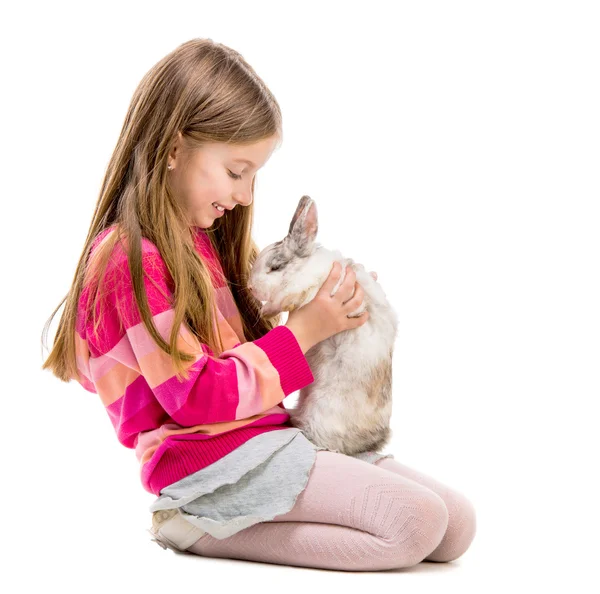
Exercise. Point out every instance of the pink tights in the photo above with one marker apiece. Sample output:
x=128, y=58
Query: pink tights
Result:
x=356, y=516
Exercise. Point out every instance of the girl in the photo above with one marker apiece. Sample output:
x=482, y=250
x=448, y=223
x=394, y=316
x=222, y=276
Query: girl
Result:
x=160, y=324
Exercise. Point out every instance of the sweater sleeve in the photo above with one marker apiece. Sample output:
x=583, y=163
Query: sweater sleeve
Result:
x=248, y=379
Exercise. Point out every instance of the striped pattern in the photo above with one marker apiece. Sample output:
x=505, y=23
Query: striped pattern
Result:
x=177, y=427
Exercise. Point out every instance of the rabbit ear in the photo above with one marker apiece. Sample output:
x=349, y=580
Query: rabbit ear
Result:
x=304, y=225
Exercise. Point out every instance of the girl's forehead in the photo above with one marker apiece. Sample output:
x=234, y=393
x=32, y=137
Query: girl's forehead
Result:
x=251, y=154
x=254, y=154
x=232, y=151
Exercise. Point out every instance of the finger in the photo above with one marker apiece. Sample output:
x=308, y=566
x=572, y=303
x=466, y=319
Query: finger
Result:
x=355, y=301
x=346, y=288
x=332, y=279
x=360, y=320
x=347, y=285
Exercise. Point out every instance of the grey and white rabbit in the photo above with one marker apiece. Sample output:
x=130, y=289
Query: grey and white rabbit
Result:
x=348, y=407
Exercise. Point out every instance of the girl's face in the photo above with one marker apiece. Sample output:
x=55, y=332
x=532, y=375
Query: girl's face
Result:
x=216, y=173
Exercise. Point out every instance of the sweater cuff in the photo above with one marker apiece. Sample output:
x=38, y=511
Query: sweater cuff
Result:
x=285, y=354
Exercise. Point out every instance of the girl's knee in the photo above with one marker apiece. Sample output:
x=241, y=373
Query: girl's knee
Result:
x=434, y=516
x=419, y=526
x=462, y=526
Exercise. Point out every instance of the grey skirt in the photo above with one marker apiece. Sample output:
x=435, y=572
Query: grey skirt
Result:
x=246, y=487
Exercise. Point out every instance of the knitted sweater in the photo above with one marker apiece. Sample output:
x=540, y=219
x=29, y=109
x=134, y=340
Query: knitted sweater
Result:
x=178, y=427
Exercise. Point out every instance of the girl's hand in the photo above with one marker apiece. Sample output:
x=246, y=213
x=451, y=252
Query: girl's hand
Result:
x=327, y=315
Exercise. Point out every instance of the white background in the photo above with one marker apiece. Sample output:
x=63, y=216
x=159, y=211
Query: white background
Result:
x=453, y=147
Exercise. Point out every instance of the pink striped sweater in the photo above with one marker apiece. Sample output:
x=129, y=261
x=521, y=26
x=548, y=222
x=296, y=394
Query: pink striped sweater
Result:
x=178, y=427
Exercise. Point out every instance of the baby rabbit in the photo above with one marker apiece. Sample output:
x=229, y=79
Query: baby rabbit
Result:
x=347, y=408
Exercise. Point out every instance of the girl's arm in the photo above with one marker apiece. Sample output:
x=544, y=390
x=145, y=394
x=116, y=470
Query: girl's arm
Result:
x=248, y=379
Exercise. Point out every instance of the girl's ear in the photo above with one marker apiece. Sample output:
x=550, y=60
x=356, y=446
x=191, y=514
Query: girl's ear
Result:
x=304, y=225
x=176, y=147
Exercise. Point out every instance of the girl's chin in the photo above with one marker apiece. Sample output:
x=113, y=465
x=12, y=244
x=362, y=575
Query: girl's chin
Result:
x=204, y=221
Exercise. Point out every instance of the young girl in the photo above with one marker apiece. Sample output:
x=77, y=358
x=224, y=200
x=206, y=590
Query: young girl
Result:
x=161, y=325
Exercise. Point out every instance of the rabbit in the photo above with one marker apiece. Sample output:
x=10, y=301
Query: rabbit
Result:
x=348, y=406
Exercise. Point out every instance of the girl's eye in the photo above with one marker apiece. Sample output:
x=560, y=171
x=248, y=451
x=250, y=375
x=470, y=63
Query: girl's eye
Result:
x=234, y=175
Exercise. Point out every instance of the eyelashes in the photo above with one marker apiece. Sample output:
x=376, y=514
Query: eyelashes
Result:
x=234, y=175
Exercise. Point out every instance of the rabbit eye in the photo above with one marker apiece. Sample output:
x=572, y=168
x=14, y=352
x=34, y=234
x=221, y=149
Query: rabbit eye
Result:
x=276, y=267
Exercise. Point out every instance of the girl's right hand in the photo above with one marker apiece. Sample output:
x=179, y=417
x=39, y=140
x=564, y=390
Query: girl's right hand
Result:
x=327, y=315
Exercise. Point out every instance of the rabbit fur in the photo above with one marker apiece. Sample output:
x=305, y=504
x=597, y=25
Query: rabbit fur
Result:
x=348, y=406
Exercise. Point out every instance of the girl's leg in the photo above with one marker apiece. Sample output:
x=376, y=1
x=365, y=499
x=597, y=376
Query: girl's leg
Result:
x=461, y=523
x=351, y=516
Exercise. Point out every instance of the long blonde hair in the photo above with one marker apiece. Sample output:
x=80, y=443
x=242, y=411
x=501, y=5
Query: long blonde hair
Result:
x=209, y=93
